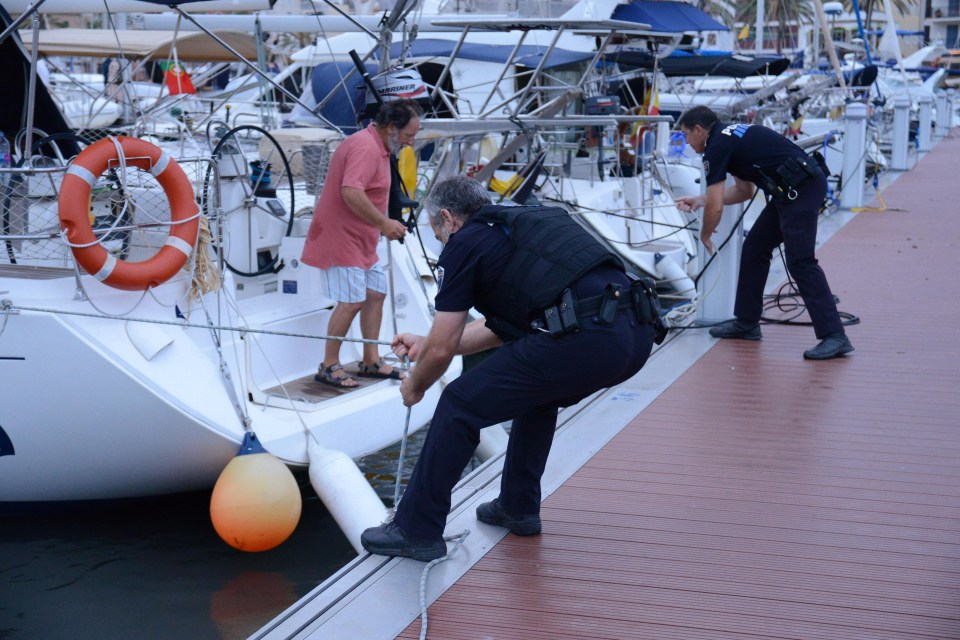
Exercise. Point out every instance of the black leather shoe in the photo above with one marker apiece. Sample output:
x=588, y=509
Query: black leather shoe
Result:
x=492, y=513
x=390, y=540
x=735, y=329
x=832, y=346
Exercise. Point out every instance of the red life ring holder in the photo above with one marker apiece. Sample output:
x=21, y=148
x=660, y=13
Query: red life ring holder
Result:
x=74, y=213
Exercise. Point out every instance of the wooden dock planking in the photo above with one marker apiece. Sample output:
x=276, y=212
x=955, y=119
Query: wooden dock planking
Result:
x=762, y=496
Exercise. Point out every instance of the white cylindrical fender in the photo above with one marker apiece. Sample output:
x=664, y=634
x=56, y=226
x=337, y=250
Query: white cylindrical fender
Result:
x=345, y=492
x=671, y=272
x=493, y=442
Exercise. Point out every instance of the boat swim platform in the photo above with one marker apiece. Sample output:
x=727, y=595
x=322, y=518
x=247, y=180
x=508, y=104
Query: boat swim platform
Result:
x=731, y=490
x=307, y=389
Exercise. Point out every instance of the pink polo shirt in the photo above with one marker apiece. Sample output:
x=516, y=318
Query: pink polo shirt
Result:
x=338, y=237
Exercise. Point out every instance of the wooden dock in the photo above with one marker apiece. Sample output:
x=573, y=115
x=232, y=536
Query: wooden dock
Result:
x=750, y=495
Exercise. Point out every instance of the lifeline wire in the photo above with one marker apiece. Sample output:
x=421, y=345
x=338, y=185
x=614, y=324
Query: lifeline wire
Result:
x=13, y=307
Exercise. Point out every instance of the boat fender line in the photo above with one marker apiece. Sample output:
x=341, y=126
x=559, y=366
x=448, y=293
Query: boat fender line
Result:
x=76, y=227
x=401, y=462
x=456, y=538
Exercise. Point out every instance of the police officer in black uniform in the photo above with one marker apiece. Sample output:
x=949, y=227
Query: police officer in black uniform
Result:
x=795, y=185
x=571, y=322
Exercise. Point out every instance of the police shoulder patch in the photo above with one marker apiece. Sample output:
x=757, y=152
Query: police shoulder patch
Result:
x=706, y=166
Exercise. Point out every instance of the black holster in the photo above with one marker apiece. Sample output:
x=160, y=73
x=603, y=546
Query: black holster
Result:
x=788, y=177
x=822, y=163
x=561, y=318
x=566, y=316
x=795, y=171
x=646, y=303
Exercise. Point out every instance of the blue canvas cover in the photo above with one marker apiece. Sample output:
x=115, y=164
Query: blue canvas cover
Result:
x=528, y=55
x=345, y=107
x=171, y=3
x=667, y=16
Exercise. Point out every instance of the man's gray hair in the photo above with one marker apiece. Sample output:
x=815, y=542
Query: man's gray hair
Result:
x=462, y=196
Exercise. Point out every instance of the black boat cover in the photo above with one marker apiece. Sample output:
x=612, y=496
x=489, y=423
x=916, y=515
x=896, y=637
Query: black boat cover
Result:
x=682, y=63
x=15, y=67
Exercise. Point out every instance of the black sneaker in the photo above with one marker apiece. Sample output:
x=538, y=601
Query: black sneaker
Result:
x=493, y=513
x=390, y=540
x=735, y=329
x=832, y=346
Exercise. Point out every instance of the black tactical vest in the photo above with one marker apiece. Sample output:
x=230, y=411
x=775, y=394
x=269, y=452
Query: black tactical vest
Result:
x=551, y=251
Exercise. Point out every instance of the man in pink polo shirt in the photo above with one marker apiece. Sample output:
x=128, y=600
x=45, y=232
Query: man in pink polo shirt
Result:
x=346, y=227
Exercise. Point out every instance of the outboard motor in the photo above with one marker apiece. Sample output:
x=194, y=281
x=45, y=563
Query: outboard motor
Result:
x=396, y=84
x=602, y=106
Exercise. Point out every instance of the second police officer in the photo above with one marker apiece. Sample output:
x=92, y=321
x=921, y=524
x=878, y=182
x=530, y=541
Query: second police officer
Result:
x=796, y=186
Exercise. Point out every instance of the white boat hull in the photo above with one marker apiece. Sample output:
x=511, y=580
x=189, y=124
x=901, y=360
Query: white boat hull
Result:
x=95, y=410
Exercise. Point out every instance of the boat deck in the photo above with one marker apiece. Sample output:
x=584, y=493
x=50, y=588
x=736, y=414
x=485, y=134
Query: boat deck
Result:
x=756, y=495
x=308, y=389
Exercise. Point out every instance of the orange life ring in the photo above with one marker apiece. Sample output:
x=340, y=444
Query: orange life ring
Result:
x=74, y=213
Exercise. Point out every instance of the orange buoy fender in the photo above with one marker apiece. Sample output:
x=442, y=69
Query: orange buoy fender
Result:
x=74, y=208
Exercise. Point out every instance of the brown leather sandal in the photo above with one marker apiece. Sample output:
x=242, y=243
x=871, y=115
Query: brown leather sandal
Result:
x=325, y=375
x=373, y=371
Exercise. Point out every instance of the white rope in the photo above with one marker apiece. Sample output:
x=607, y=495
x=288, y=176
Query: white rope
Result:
x=403, y=444
x=458, y=538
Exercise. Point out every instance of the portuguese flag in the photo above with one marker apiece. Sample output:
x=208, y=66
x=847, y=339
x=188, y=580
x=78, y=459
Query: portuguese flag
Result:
x=177, y=79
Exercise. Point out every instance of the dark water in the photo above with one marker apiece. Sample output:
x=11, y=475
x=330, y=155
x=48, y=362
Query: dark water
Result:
x=157, y=569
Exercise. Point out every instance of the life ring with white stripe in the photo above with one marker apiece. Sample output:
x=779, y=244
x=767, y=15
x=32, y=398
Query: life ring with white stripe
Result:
x=74, y=213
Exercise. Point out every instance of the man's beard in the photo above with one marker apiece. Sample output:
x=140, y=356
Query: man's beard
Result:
x=393, y=143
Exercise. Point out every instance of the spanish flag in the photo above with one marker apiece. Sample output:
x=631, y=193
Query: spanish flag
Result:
x=651, y=101
x=744, y=32
x=177, y=79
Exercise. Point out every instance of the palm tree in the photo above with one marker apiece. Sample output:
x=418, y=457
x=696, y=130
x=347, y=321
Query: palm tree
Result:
x=783, y=11
x=780, y=11
x=723, y=10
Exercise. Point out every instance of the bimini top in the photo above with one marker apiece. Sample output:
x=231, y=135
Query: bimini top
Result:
x=667, y=17
x=192, y=46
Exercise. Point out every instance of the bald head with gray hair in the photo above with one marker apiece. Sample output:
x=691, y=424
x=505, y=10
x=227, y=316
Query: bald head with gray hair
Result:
x=461, y=196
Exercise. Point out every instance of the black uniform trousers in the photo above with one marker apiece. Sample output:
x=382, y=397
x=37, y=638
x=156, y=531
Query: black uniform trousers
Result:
x=793, y=223
x=526, y=380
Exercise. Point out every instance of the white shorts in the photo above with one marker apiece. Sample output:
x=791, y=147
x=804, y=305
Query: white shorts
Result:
x=350, y=284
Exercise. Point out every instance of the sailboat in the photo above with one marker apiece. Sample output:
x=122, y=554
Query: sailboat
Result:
x=130, y=387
